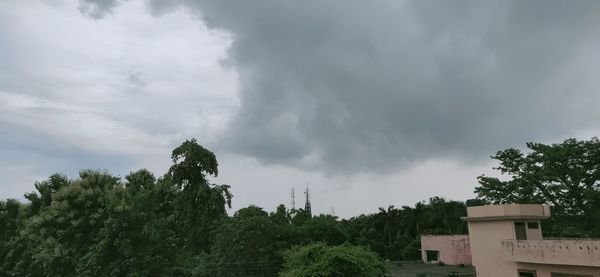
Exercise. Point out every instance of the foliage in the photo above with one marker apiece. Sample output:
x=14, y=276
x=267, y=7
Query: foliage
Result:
x=176, y=225
x=200, y=204
x=392, y=232
x=245, y=245
x=98, y=225
x=138, y=235
x=565, y=175
x=319, y=259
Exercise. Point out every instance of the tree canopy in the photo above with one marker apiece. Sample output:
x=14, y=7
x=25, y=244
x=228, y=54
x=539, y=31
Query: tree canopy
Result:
x=564, y=175
x=319, y=259
x=98, y=224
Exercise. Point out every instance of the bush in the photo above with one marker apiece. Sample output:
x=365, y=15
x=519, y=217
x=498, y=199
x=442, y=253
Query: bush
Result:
x=320, y=260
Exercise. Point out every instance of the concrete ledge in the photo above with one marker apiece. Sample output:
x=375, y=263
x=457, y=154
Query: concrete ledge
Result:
x=508, y=212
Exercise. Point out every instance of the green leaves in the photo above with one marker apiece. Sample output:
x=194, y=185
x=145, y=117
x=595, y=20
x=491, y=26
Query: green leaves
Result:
x=392, y=232
x=191, y=164
x=97, y=225
x=564, y=175
x=199, y=204
x=320, y=260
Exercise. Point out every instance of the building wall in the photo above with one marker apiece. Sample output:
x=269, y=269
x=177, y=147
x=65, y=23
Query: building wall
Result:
x=497, y=253
x=581, y=252
x=453, y=249
x=543, y=270
x=487, y=250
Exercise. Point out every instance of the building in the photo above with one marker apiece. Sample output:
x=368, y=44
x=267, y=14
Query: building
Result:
x=506, y=240
x=447, y=249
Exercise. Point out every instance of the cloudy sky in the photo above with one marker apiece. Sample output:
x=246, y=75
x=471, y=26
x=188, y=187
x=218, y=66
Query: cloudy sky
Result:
x=369, y=103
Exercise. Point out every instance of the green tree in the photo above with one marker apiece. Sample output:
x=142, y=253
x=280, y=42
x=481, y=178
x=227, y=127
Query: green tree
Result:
x=138, y=237
x=281, y=215
x=201, y=203
x=246, y=245
x=320, y=260
x=45, y=189
x=52, y=242
x=251, y=211
x=565, y=175
x=323, y=228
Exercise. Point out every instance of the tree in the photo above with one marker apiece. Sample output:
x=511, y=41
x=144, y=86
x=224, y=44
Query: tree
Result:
x=281, y=215
x=565, y=175
x=323, y=228
x=318, y=259
x=201, y=204
x=10, y=211
x=251, y=211
x=53, y=241
x=45, y=189
x=247, y=245
x=138, y=236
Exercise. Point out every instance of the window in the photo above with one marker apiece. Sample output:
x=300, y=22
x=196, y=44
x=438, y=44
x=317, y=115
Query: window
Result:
x=554, y=274
x=520, y=231
x=432, y=255
x=526, y=273
x=533, y=225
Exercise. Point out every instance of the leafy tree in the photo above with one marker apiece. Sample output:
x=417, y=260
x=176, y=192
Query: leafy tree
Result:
x=392, y=232
x=52, y=242
x=247, y=244
x=324, y=228
x=201, y=204
x=10, y=211
x=251, y=211
x=281, y=215
x=138, y=235
x=45, y=189
x=318, y=259
x=565, y=175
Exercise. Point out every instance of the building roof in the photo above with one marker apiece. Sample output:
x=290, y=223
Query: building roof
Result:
x=507, y=212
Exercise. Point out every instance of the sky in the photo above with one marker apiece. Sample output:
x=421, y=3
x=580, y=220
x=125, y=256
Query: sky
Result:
x=370, y=104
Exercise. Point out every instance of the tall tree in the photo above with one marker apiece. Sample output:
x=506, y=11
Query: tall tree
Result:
x=565, y=175
x=201, y=203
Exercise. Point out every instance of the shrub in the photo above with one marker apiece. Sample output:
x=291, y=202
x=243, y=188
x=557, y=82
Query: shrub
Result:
x=320, y=260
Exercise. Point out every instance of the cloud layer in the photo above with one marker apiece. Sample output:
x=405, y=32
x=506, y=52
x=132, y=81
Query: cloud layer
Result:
x=349, y=86
x=117, y=93
x=343, y=95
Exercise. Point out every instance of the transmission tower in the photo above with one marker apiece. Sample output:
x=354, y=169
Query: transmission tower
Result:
x=307, y=206
x=293, y=200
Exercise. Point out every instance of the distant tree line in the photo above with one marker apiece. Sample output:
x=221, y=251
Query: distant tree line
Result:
x=177, y=225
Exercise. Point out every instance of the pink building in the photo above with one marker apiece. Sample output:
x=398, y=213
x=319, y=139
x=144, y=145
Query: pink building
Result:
x=448, y=249
x=507, y=241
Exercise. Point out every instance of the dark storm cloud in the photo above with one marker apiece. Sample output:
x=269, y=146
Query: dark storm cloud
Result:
x=355, y=85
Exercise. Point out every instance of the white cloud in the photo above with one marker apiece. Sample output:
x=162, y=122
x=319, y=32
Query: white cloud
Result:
x=131, y=86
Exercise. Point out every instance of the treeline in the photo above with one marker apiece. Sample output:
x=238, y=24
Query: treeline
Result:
x=177, y=225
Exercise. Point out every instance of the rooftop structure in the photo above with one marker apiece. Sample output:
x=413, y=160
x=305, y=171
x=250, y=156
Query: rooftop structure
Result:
x=447, y=249
x=506, y=240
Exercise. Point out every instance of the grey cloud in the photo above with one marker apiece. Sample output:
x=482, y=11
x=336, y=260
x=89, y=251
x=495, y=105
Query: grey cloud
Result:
x=97, y=9
x=22, y=145
x=355, y=86
x=136, y=78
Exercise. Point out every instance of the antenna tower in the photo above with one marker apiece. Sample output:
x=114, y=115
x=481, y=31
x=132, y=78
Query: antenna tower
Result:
x=307, y=206
x=293, y=200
